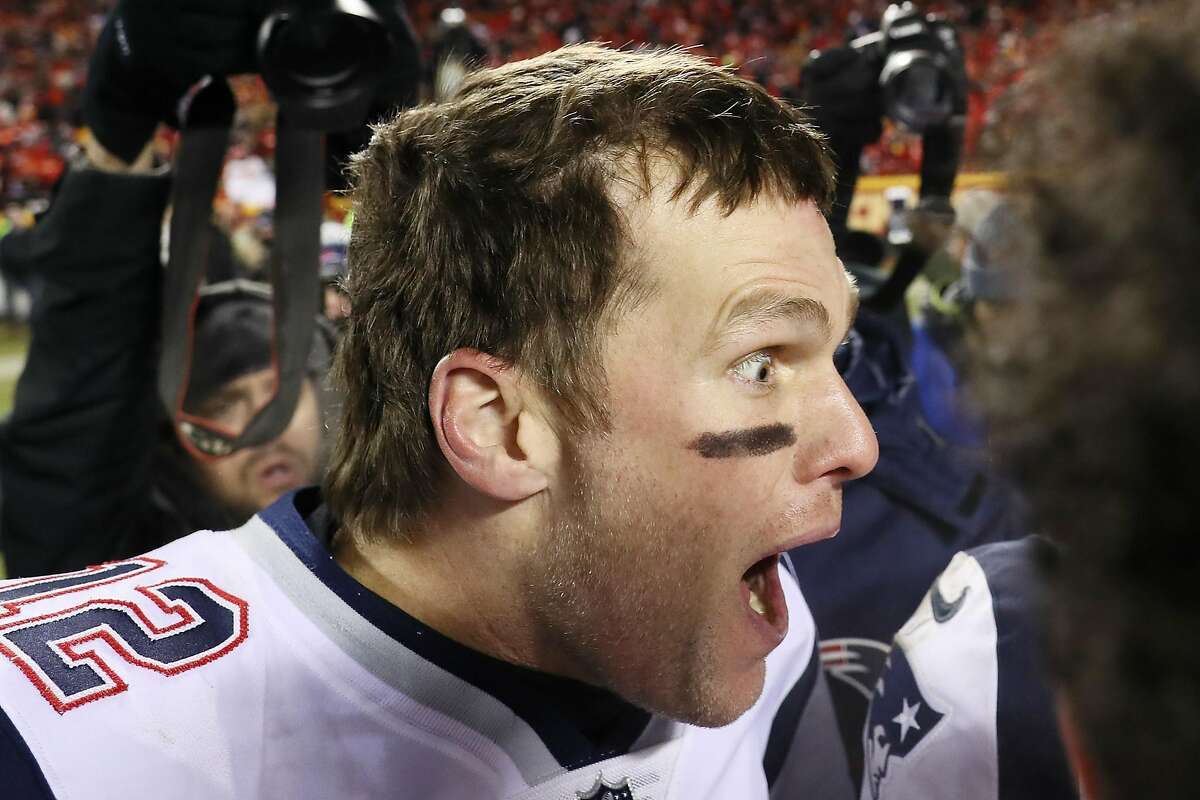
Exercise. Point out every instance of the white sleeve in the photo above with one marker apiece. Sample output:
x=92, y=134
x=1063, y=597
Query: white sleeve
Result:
x=931, y=726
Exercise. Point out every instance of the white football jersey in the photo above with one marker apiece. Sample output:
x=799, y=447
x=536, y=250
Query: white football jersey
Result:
x=962, y=709
x=248, y=664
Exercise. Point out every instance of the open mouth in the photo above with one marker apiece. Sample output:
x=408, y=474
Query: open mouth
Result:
x=277, y=474
x=763, y=594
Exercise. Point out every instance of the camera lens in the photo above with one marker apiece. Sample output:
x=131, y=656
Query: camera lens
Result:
x=920, y=86
x=321, y=60
x=917, y=90
x=321, y=51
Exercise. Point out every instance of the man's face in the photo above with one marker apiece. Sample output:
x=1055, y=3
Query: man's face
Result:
x=253, y=478
x=732, y=434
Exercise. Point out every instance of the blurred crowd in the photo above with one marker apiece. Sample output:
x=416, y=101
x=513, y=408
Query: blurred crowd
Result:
x=44, y=47
x=770, y=40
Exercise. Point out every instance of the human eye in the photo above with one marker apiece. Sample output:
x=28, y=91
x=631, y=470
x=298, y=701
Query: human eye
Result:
x=757, y=369
x=229, y=411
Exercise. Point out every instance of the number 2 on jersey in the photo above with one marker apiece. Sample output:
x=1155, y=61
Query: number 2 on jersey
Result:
x=167, y=627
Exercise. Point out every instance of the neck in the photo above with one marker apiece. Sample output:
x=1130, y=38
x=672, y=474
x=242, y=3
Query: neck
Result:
x=460, y=575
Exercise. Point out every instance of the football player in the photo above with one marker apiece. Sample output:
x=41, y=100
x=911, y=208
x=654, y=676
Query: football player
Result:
x=590, y=400
x=1096, y=408
x=963, y=708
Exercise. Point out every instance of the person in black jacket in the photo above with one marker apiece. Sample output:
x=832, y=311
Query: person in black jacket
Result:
x=90, y=464
x=91, y=467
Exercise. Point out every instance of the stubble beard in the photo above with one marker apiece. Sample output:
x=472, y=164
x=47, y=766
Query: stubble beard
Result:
x=614, y=592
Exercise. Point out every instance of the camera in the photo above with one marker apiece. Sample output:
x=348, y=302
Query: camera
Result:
x=912, y=70
x=920, y=67
x=322, y=59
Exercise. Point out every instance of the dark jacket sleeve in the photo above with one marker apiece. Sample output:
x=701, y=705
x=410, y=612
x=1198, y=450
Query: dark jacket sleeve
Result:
x=75, y=454
x=23, y=777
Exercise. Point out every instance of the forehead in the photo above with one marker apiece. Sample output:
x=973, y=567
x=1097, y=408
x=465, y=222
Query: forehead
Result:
x=247, y=384
x=701, y=260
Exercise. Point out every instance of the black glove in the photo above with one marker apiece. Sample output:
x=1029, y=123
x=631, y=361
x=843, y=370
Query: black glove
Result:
x=150, y=53
x=841, y=88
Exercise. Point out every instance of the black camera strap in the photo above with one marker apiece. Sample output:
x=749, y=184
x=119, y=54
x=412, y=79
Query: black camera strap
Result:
x=294, y=277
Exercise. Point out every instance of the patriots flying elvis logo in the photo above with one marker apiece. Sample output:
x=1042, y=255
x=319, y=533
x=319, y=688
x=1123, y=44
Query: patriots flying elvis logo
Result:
x=900, y=717
x=855, y=662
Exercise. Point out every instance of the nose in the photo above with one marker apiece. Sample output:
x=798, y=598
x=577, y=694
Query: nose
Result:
x=841, y=442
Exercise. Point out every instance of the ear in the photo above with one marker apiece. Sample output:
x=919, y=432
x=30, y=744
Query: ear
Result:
x=483, y=422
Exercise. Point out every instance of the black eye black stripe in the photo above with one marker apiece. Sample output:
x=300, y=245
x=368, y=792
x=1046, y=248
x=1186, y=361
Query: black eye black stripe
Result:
x=747, y=442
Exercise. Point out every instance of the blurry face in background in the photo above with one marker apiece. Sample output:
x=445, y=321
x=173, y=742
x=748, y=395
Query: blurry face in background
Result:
x=732, y=434
x=253, y=478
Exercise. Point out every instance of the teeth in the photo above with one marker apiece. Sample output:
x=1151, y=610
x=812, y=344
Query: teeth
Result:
x=756, y=604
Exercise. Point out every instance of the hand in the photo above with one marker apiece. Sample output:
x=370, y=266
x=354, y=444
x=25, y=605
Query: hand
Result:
x=150, y=53
x=184, y=40
x=209, y=104
x=842, y=89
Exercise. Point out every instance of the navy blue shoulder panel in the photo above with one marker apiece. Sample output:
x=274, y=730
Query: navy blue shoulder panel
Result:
x=22, y=776
x=787, y=718
x=1032, y=763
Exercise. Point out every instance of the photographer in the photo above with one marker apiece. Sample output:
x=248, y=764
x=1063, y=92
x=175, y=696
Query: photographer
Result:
x=911, y=71
x=92, y=468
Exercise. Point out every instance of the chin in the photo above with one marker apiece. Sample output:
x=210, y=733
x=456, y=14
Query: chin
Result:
x=266, y=497
x=721, y=700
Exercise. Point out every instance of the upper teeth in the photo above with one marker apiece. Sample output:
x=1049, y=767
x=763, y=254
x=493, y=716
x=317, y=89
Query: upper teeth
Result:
x=756, y=603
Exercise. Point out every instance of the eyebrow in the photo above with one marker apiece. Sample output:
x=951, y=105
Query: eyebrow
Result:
x=765, y=306
x=225, y=394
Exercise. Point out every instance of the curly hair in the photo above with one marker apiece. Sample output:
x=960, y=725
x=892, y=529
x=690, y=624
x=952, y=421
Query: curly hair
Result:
x=1097, y=412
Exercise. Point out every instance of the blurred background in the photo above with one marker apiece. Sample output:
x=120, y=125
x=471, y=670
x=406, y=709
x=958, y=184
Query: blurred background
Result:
x=45, y=44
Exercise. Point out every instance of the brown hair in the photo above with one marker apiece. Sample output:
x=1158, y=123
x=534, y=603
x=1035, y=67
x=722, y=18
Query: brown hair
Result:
x=1097, y=410
x=487, y=222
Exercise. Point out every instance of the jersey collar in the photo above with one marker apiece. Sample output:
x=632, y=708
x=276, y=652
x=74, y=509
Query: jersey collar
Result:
x=578, y=723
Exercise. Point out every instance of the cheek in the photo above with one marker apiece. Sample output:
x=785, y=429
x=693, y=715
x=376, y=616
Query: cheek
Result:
x=648, y=395
x=224, y=473
x=716, y=511
x=303, y=436
x=304, y=432
x=739, y=492
x=746, y=442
